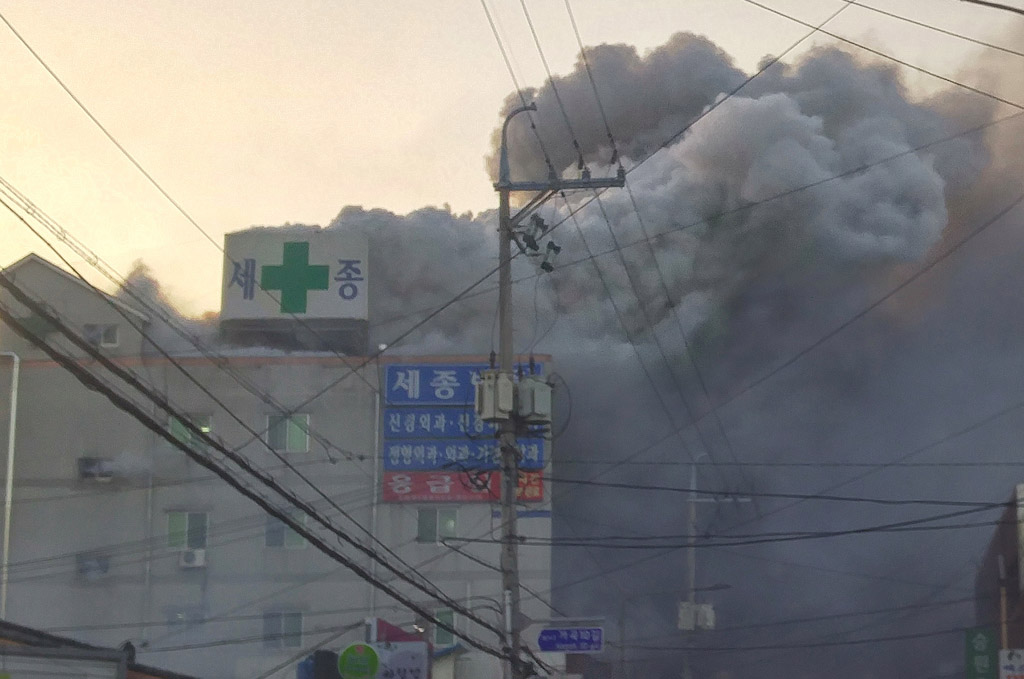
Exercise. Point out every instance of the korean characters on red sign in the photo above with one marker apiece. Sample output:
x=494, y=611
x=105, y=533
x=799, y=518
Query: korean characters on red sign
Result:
x=455, y=487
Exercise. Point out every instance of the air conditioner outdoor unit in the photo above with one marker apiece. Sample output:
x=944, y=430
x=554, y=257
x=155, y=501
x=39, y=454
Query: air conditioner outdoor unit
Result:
x=96, y=469
x=92, y=564
x=192, y=558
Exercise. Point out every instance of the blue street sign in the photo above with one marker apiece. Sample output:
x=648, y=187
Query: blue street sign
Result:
x=457, y=454
x=572, y=639
x=439, y=384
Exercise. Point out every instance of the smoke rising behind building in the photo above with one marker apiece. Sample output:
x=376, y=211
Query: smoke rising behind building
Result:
x=752, y=280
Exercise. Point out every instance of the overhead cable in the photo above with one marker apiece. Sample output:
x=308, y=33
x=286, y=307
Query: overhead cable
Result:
x=146, y=420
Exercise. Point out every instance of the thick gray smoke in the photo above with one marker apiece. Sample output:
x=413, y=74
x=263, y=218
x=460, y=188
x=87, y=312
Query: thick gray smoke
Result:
x=168, y=328
x=749, y=287
x=795, y=125
x=751, y=281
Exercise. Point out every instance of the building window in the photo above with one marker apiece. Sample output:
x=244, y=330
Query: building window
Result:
x=202, y=422
x=288, y=433
x=280, y=534
x=186, y=530
x=282, y=629
x=101, y=335
x=443, y=637
x=435, y=525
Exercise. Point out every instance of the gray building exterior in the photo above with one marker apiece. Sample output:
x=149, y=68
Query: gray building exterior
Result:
x=116, y=535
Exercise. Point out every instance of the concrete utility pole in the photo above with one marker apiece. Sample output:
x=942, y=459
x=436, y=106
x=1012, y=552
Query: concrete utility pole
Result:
x=508, y=426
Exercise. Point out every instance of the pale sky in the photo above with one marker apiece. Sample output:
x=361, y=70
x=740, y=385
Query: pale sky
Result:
x=265, y=112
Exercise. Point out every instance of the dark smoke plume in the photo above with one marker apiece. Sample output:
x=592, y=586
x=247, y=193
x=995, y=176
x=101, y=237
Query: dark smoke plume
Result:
x=746, y=290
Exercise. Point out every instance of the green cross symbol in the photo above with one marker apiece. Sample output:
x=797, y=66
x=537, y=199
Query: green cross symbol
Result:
x=295, y=277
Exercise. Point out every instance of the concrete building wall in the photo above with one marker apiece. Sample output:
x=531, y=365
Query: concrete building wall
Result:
x=73, y=301
x=66, y=527
x=90, y=557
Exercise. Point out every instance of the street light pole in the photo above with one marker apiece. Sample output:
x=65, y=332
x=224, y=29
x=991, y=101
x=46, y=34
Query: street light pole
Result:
x=508, y=425
x=9, y=481
x=996, y=5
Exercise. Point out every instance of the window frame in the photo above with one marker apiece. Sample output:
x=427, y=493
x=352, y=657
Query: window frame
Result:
x=203, y=421
x=93, y=469
x=279, y=638
x=97, y=334
x=274, y=524
x=438, y=517
x=276, y=419
x=450, y=639
x=186, y=543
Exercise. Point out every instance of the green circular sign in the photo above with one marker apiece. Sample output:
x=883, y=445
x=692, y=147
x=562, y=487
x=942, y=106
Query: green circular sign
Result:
x=358, y=661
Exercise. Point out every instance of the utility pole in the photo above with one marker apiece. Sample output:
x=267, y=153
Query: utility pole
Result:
x=693, y=613
x=9, y=481
x=509, y=424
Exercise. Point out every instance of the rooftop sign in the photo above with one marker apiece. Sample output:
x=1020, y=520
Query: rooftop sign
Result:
x=277, y=273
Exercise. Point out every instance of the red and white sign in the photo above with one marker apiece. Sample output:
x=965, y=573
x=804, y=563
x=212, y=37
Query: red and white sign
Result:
x=401, y=486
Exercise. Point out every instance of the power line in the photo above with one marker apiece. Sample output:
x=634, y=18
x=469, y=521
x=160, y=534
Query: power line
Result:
x=676, y=431
x=997, y=217
x=952, y=34
x=340, y=629
x=708, y=540
x=303, y=652
x=613, y=541
x=875, y=468
x=786, y=622
x=815, y=464
x=120, y=554
x=666, y=552
x=995, y=5
x=515, y=82
x=177, y=206
x=554, y=88
x=731, y=211
x=218, y=361
x=661, y=276
x=127, y=406
x=726, y=496
x=255, y=436
x=889, y=57
x=615, y=160
x=808, y=644
x=878, y=302
x=416, y=567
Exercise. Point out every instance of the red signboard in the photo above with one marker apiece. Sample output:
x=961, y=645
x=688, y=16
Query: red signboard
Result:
x=436, y=486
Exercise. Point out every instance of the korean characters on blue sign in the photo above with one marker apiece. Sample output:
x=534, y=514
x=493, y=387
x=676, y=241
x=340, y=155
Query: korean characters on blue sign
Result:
x=429, y=426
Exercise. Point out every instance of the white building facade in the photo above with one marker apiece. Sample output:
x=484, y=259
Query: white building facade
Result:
x=116, y=535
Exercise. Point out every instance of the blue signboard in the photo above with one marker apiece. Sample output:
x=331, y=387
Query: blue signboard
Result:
x=437, y=384
x=572, y=639
x=415, y=422
x=437, y=423
x=455, y=454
